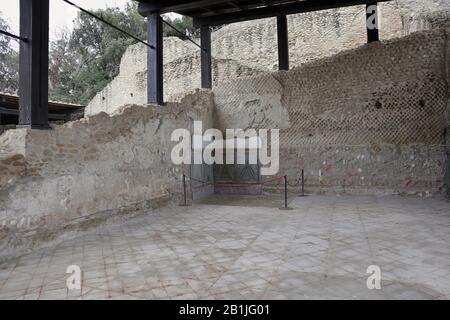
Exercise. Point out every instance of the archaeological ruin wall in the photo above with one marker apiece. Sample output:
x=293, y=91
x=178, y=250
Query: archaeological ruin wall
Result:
x=372, y=119
x=79, y=174
x=250, y=48
x=181, y=75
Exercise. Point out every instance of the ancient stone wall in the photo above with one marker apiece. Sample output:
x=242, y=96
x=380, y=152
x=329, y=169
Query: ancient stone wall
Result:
x=368, y=118
x=316, y=35
x=312, y=35
x=251, y=47
x=181, y=75
x=3, y=128
x=83, y=172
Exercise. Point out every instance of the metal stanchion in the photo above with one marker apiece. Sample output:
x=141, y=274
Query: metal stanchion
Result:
x=285, y=195
x=184, y=204
x=303, y=184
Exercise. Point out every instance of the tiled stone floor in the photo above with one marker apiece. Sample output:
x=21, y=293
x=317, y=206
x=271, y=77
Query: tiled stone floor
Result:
x=319, y=250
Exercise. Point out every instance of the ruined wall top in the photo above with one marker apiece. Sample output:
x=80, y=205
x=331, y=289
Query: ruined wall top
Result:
x=249, y=48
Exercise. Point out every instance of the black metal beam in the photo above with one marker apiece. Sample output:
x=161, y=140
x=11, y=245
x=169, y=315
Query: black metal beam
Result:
x=277, y=10
x=165, y=6
x=33, y=77
x=372, y=22
x=283, y=43
x=206, y=59
x=155, y=87
x=53, y=116
x=229, y=7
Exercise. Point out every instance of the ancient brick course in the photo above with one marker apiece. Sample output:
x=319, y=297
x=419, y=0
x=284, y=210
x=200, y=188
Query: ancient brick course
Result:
x=367, y=118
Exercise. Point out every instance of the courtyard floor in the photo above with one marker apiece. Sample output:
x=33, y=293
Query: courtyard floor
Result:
x=227, y=249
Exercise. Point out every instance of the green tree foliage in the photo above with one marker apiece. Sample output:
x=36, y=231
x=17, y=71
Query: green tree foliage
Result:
x=83, y=61
x=62, y=66
x=9, y=61
x=183, y=24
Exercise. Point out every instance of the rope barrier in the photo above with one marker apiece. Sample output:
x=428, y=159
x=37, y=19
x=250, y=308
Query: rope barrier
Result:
x=301, y=180
x=197, y=180
x=296, y=184
x=276, y=179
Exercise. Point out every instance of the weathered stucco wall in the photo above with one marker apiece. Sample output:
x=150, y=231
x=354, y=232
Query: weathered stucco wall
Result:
x=251, y=47
x=181, y=75
x=3, y=128
x=368, y=118
x=312, y=35
x=86, y=171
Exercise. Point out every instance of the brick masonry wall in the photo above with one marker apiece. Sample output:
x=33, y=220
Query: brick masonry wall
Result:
x=251, y=47
x=371, y=119
x=368, y=119
x=181, y=75
x=81, y=173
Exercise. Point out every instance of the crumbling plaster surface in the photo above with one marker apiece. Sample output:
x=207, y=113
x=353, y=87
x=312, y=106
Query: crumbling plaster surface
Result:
x=312, y=35
x=250, y=48
x=371, y=118
x=251, y=102
x=367, y=120
x=77, y=174
x=180, y=77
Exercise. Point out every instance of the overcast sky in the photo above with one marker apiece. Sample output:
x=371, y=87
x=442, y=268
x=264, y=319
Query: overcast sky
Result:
x=61, y=14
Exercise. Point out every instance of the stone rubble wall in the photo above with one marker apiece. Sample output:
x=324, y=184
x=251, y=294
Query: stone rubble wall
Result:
x=81, y=173
x=3, y=128
x=251, y=47
x=372, y=118
x=312, y=36
x=181, y=75
x=367, y=120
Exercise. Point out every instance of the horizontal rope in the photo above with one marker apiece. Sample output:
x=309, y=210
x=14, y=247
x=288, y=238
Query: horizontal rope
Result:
x=296, y=184
x=279, y=179
x=272, y=180
x=197, y=180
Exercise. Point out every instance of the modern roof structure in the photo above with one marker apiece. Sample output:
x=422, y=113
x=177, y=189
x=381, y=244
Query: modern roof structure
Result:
x=214, y=12
x=34, y=25
x=9, y=109
x=207, y=13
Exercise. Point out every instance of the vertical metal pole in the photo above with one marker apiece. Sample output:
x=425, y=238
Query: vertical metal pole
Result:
x=303, y=182
x=206, y=59
x=155, y=85
x=285, y=195
x=372, y=22
x=447, y=175
x=184, y=190
x=285, y=192
x=283, y=43
x=33, y=76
